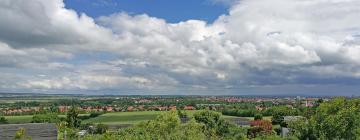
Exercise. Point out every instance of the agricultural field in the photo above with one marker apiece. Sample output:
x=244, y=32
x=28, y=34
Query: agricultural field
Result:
x=119, y=118
x=27, y=118
x=124, y=117
x=136, y=117
x=19, y=119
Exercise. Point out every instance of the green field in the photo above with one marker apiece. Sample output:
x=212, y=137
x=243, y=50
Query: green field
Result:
x=19, y=119
x=26, y=118
x=116, y=117
x=136, y=117
x=124, y=117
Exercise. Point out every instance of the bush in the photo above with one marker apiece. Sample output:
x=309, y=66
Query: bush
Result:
x=258, y=117
x=101, y=128
x=259, y=127
x=95, y=114
x=213, y=124
x=182, y=114
x=3, y=120
x=45, y=118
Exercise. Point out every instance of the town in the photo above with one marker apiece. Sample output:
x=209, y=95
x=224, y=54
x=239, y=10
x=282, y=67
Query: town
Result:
x=258, y=116
x=16, y=106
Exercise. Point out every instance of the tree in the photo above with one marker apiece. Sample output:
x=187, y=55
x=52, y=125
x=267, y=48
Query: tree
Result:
x=302, y=129
x=277, y=119
x=54, y=109
x=101, y=128
x=192, y=131
x=3, y=120
x=337, y=119
x=72, y=118
x=213, y=124
x=181, y=114
x=279, y=113
x=258, y=117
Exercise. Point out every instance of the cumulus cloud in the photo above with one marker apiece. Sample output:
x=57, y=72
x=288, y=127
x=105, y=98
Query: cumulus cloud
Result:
x=258, y=43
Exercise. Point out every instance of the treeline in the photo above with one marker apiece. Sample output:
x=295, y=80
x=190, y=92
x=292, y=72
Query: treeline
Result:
x=281, y=109
x=286, y=111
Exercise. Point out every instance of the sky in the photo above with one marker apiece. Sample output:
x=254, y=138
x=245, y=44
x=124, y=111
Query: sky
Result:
x=190, y=47
x=172, y=11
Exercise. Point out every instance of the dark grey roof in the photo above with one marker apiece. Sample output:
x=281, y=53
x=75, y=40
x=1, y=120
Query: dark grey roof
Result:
x=37, y=131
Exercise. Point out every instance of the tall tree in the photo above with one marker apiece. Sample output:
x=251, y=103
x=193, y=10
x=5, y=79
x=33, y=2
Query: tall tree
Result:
x=213, y=124
x=72, y=118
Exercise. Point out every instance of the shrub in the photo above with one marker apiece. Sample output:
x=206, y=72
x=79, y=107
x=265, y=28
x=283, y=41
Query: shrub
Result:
x=3, y=120
x=258, y=117
x=101, y=128
x=45, y=118
x=259, y=127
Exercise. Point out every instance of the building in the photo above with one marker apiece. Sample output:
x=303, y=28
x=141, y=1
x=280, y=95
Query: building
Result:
x=189, y=108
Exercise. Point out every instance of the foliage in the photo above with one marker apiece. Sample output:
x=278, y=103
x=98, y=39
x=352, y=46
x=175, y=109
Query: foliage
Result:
x=124, y=117
x=258, y=117
x=3, y=120
x=259, y=127
x=279, y=112
x=165, y=127
x=95, y=114
x=337, y=119
x=213, y=124
x=72, y=118
x=21, y=135
x=101, y=128
x=182, y=114
x=45, y=118
x=302, y=129
x=278, y=119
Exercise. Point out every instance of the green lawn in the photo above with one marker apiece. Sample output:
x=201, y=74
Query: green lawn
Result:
x=124, y=117
x=19, y=119
x=117, y=117
x=136, y=117
x=26, y=118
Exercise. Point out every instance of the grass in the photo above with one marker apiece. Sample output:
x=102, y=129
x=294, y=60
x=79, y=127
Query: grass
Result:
x=124, y=117
x=19, y=119
x=136, y=117
x=118, y=117
x=26, y=118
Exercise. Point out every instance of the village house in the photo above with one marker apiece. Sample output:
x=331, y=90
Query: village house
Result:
x=130, y=108
x=189, y=108
x=63, y=109
x=172, y=108
x=161, y=108
x=109, y=109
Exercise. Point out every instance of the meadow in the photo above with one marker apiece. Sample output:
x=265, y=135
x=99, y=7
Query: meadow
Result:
x=19, y=119
x=116, y=117
x=136, y=117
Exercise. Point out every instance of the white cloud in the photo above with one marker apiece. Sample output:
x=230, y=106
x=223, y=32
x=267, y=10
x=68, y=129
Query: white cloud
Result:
x=259, y=42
